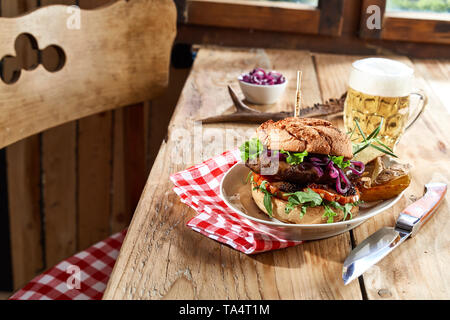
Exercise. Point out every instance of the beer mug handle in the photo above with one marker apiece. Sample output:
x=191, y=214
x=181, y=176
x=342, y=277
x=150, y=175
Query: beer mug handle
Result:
x=420, y=108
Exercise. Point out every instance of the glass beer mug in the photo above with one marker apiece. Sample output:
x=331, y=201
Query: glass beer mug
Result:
x=380, y=90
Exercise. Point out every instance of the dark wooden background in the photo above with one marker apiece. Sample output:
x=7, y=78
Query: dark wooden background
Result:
x=72, y=186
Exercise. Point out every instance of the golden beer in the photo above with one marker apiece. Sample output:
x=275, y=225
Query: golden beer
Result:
x=379, y=91
x=370, y=110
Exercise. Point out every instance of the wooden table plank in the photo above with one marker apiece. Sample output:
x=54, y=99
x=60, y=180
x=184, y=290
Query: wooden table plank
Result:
x=417, y=269
x=162, y=258
x=426, y=147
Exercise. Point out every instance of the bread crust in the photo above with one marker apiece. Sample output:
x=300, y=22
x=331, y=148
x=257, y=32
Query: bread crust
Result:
x=299, y=134
x=313, y=215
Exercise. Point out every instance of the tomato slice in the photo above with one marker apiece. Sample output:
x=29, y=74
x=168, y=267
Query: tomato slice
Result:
x=325, y=194
x=332, y=196
x=259, y=179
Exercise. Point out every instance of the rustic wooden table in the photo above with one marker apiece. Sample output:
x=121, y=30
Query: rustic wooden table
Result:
x=163, y=259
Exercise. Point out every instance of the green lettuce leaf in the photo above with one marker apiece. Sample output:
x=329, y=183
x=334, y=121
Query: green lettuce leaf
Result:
x=251, y=149
x=295, y=158
x=339, y=161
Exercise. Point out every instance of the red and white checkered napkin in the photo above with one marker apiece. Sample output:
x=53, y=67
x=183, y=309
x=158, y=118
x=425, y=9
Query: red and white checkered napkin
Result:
x=198, y=187
x=94, y=265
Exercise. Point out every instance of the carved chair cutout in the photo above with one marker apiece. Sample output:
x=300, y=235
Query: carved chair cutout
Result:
x=119, y=56
x=26, y=43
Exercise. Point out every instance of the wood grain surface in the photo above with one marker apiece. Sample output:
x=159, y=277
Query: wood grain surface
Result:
x=59, y=200
x=23, y=172
x=416, y=28
x=254, y=15
x=163, y=259
x=59, y=184
x=60, y=170
x=136, y=73
x=190, y=265
x=24, y=200
x=425, y=147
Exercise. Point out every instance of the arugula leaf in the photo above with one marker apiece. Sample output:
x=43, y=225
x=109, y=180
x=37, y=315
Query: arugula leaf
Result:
x=251, y=149
x=267, y=198
x=268, y=203
x=329, y=213
x=346, y=209
x=295, y=158
x=249, y=177
x=339, y=161
x=306, y=199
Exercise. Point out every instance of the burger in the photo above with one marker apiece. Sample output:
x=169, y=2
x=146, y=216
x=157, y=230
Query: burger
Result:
x=301, y=171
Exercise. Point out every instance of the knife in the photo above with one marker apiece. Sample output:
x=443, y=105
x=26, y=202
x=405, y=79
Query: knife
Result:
x=382, y=242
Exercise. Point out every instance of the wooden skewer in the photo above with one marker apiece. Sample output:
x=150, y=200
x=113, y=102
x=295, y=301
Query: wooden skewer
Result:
x=298, y=101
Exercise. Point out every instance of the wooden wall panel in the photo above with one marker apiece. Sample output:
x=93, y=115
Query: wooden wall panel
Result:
x=161, y=110
x=11, y=8
x=59, y=192
x=76, y=184
x=120, y=213
x=134, y=154
x=94, y=178
x=23, y=175
x=24, y=192
x=129, y=170
x=59, y=147
x=129, y=163
x=95, y=141
x=331, y=17
x=6, y=281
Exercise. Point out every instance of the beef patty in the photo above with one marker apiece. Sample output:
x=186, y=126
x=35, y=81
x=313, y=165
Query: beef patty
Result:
x=301, y=174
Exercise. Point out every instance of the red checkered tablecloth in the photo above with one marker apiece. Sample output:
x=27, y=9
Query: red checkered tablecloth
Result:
x=81, y=277
x=198, y=187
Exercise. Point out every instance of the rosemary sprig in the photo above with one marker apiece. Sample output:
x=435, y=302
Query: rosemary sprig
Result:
x=371, y=140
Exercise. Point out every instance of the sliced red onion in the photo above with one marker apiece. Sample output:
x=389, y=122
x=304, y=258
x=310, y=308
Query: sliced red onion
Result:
x=339, y=188
x=260, y=76
x=332, y=171
x=315, y=159
x=355, y=165
x=319, y=161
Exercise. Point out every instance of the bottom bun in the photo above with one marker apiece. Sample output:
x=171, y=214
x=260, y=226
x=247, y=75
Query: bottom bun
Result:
x=314, y=215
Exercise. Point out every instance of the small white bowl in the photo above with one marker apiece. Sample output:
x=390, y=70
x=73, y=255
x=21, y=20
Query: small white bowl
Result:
x=262, y=94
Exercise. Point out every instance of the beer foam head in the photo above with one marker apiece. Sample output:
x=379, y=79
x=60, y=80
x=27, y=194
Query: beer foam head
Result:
x=381, y=77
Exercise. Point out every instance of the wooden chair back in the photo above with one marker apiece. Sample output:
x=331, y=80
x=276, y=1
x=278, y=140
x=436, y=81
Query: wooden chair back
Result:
x=106, y=58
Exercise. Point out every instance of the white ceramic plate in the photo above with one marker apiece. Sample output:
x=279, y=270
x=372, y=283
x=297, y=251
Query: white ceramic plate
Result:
x=237, y=195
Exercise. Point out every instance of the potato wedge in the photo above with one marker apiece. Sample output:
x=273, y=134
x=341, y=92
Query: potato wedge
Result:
x=382, y=192
x=384, y=179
